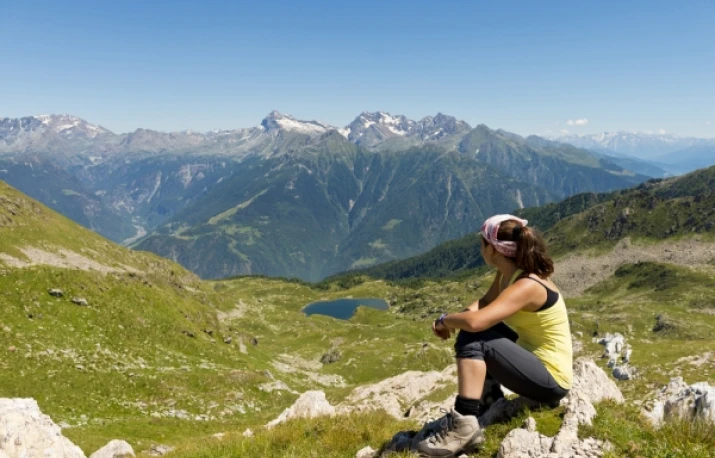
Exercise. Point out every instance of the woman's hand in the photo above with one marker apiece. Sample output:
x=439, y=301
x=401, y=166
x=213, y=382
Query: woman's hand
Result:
x=440, y=330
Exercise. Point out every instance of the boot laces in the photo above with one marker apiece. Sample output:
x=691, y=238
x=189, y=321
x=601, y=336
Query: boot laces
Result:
x=434, y=423
x=445, y=427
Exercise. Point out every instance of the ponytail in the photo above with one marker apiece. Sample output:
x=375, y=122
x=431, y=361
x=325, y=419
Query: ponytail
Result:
x=531, y=255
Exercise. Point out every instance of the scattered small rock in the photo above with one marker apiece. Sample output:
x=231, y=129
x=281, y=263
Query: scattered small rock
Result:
x=56, y=292
x=188, y=334
x=623, y=372
x=114, y=449
x=160, y=450
x=310, y=404
x=366, y=452
x=80, y=301
x=663, y=324
x=254, y=341
x=616, y=349
x=248, y=433
x=331, y=356
x=228, y=340
x=627, y=352
x=613, y=344
x=530, y=424
x=275, y=386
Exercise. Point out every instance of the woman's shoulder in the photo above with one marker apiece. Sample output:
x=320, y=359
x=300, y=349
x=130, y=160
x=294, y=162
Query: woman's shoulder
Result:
x=546, y=282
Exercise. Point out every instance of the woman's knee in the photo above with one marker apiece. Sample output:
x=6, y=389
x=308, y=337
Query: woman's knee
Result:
x=469, y=350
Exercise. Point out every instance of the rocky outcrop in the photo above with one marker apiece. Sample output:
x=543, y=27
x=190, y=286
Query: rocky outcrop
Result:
x=591, y=385
x=523, y=443
x=399, y=395
x=310, y=404
x=25, y=432
x=679, y=400
x=592, y=382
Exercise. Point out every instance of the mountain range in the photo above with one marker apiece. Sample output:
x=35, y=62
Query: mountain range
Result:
x=291, y=197
x=674, y=154
x=76, y=139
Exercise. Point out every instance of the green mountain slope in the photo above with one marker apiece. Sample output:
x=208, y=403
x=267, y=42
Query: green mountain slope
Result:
x=158, y=356
x=147, y=359
x=66, y=193
x=655, y=210
x=326, y=209
x=560, y=168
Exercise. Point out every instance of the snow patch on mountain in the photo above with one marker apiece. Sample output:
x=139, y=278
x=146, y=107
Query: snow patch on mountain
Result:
x=276, y=120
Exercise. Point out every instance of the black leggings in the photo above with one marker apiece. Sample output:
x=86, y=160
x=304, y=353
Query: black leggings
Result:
x=509, y=364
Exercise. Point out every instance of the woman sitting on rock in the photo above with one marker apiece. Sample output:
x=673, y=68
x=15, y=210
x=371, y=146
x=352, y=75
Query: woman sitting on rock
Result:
x=517, y=334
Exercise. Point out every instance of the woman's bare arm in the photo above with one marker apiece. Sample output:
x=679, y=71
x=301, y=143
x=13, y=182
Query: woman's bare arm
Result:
x=510, y=301
x=488, y=297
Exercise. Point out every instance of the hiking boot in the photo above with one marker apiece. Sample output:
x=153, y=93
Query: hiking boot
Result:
x=455, y=434
x=432, y=426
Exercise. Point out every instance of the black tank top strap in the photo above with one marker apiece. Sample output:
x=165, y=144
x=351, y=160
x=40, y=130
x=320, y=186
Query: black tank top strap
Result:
x=552, y=297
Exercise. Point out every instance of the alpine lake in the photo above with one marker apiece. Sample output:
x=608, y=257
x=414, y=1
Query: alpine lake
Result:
x=343, y=309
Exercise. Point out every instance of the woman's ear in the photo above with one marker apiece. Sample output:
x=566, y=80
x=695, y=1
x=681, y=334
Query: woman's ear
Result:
x=485, y=254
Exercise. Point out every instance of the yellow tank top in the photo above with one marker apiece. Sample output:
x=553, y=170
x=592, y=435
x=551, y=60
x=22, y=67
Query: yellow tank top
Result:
x=547, y=335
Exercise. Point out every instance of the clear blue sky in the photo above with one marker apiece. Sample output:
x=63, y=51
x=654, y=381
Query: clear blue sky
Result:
x=524, y=66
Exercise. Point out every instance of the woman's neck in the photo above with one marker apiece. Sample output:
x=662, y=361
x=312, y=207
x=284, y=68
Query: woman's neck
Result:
x=506, y=267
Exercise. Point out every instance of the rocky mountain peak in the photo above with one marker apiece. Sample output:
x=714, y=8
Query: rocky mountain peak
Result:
x=279, y=121
x=435, y=127
x=49, y=133
x=66, y=124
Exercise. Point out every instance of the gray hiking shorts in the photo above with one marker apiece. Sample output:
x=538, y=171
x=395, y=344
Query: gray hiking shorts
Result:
x=510, y=364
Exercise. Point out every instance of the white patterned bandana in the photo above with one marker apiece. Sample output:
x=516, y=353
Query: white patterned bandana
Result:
x=490, y=229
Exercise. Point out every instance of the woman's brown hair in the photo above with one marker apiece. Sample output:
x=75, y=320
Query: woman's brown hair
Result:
x=531, y=255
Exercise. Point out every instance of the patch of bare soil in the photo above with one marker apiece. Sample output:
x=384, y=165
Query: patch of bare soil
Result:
x=576, y=273
x=62, y=258
x=238, y=312
x=290, y=364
